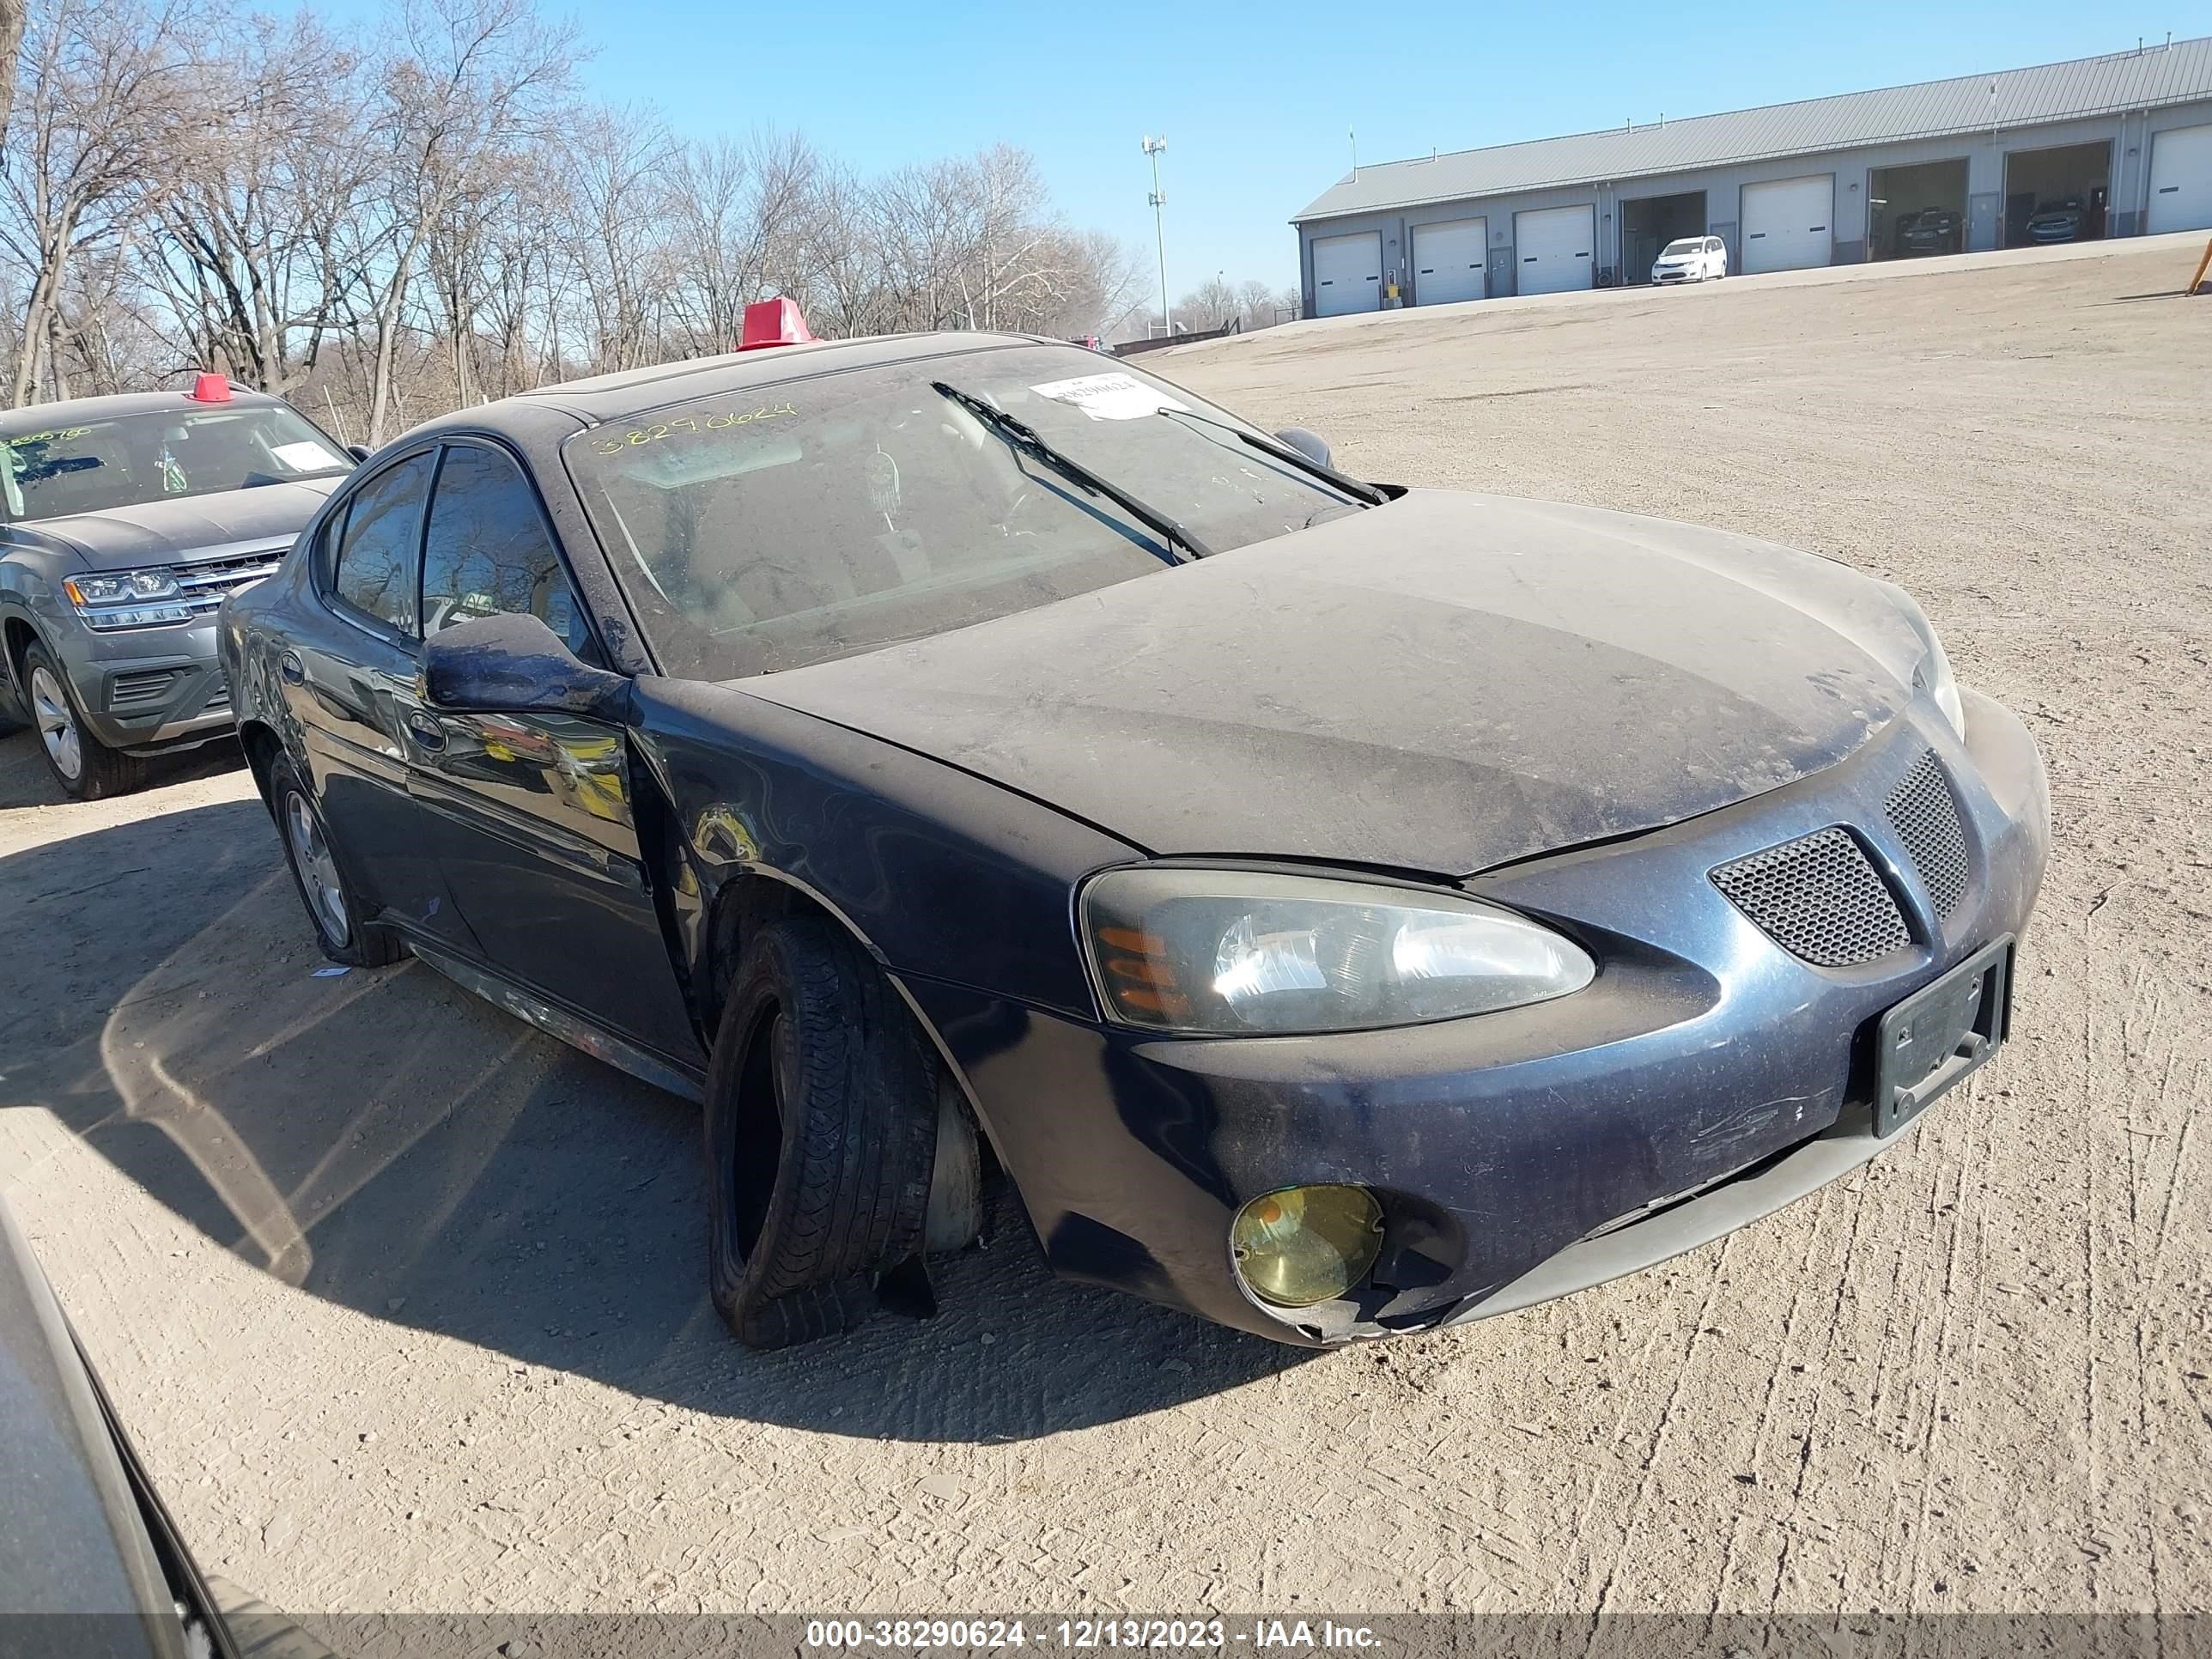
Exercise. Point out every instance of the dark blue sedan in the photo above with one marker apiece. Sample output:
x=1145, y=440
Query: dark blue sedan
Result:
x=1340, y=909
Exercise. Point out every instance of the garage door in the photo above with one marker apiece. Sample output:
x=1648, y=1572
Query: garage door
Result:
x=2181, y=180
x=1551, y=249
x=1450, y=261
x=1790, y=224
x=1347, y=274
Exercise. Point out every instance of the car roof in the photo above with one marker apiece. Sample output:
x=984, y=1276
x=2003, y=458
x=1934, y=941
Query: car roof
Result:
x=41, y=417
x=613, y=397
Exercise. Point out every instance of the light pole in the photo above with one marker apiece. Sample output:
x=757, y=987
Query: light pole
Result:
x=1153, y=148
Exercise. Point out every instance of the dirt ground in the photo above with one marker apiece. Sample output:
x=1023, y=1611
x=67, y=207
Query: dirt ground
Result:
x=402, y=1302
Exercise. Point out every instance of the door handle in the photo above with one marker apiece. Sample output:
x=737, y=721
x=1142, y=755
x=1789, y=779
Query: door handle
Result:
x=291, y=667
x=426, y=731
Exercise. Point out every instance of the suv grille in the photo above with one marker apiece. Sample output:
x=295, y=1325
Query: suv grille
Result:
x=206, y=586
x=1925, y=815
x=1819, y=898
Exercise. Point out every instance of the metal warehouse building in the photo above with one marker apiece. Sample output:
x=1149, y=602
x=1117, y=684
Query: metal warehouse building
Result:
x=2117, y=146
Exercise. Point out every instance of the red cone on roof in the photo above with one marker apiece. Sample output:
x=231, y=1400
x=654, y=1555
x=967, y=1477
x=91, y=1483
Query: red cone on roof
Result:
x=773, y=323
x=210, y=389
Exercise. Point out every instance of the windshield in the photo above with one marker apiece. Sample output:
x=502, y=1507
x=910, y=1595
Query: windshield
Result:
x=785, y=525
x=96, y=467
x=1687, y=245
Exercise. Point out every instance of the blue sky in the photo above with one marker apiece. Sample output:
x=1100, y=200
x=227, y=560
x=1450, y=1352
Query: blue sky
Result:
x=1255, y=100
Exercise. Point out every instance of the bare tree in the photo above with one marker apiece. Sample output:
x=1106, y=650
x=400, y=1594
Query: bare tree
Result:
x=747, y=218
x=109, y=91
x=620, y=160
x=1208, y=306
x=12, y=17
x=383, y=230
x=238, y=250
x=466, y=78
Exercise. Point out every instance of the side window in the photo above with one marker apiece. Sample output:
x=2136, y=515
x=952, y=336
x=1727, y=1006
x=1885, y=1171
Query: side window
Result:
x=488, y=552
x=376, y=563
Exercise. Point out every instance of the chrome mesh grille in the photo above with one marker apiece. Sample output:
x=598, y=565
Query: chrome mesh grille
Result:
x=1819, y=898
x=1925, y=815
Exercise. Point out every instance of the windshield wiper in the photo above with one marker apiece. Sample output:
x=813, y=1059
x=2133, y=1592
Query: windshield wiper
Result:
x=1020, y=434
x=1358, y=488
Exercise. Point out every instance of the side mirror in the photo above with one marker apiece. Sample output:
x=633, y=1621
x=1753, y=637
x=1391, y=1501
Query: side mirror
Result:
x=358, y=452
x=1305, y=443
x=514, y=665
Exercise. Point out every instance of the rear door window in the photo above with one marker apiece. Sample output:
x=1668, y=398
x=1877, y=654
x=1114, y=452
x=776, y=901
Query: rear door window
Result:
x=378, y=550
x=488, y=552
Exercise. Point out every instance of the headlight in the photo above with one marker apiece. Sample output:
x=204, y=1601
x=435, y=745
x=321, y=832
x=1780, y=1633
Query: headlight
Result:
x=1934, y=676
x=128, y=598
x=1234, y=952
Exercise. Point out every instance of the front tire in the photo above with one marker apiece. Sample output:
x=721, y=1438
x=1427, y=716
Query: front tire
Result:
x=84, y=767
x=821, y=1129
x=342, y=928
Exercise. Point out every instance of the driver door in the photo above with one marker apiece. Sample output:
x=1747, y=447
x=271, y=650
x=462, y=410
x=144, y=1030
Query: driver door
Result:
x=535, y=831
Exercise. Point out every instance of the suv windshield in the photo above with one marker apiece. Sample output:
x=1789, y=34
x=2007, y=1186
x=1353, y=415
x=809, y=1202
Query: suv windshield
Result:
x=783, y=524
x=1687, y=245
x=96, y=467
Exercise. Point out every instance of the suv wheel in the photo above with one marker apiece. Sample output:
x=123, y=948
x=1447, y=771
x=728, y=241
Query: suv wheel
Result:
x=85, y=768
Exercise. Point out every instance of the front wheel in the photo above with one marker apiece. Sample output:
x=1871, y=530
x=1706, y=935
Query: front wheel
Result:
x=821, y=1128
x=84, y=767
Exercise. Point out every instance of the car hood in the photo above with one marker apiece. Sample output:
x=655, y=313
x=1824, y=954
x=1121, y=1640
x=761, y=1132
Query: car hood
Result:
x=1441, y=684
x=168, y=531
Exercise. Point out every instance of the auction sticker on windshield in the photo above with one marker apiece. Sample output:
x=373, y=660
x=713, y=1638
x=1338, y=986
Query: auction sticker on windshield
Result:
x=1108, y=397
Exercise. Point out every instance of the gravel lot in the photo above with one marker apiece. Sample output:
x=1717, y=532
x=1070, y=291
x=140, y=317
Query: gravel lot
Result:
x=402, y=1302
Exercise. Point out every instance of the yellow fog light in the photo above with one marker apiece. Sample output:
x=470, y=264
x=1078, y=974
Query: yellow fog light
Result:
x=1306, y=1244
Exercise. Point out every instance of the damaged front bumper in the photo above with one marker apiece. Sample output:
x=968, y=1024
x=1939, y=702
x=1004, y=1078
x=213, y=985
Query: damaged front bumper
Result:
x=1706, y=1077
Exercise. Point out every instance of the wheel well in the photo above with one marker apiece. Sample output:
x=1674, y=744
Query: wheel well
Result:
x=745, y=904
x=17, y=640
x=262, y=749
x=748, y=902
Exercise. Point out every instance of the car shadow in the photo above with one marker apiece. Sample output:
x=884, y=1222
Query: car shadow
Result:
x=384, y=1140
x=24, y=780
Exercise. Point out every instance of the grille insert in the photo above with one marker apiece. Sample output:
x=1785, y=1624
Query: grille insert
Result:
x=1819, y=898
x=1925, y=815
x=144, y=686
x=205, y=585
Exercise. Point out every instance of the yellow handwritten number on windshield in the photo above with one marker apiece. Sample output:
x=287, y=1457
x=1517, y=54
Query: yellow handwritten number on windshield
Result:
x=643, y=435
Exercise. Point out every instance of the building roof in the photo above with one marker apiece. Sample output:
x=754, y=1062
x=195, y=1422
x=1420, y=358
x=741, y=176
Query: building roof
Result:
x=1971, y=103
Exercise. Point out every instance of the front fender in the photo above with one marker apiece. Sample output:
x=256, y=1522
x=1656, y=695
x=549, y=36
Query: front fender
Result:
x=941, y=875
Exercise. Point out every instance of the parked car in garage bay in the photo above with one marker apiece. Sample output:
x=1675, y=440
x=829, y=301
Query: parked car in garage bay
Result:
x=1343, y=908
x=2057, y=222
x=1932, y=230
x=1691, y=259
x=123, y=523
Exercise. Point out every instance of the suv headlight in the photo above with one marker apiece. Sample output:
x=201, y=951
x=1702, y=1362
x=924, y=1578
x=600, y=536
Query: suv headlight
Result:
x=128, y=598
x=1241, y=952
x=1934, y=676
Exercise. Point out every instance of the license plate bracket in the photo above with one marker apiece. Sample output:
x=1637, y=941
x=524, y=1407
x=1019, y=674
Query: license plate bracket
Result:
x=1925, y=1045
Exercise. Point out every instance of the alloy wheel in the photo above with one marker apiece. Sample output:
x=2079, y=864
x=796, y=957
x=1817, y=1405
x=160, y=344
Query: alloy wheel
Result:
x=57, y=723
x=319, y=871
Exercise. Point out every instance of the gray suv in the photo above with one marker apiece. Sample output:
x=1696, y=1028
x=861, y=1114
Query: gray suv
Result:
x=123, y=523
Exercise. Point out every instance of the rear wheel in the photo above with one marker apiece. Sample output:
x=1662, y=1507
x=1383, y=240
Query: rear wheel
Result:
x=821, y=1128
x=85, y=768
x=341, y=925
